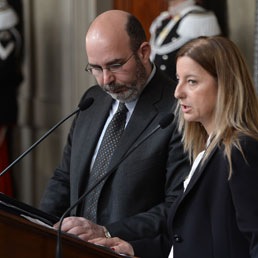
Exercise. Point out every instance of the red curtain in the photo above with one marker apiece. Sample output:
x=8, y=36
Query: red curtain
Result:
x=6, y=179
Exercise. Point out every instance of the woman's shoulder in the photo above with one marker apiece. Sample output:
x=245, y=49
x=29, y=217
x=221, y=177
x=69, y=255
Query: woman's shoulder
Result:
x=246, y=150
x=247, y=140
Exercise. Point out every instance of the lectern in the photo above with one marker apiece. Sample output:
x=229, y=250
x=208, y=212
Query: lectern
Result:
x=21, y=238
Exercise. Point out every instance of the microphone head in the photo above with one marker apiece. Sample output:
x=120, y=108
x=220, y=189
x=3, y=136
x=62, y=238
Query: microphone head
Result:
x=85, y=103
x=166, y=120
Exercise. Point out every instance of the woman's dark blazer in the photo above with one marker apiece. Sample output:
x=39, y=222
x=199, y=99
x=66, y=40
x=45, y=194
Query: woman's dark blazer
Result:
x=216, y=217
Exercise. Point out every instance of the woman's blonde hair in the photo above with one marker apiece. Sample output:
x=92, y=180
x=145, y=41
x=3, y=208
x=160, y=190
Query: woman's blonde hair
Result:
x=236, y=110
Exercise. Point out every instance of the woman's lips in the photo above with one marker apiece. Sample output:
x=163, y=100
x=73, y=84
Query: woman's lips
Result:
x=185, y=108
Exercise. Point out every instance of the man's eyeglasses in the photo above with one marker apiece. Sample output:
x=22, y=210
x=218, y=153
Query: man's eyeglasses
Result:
x=114, y=68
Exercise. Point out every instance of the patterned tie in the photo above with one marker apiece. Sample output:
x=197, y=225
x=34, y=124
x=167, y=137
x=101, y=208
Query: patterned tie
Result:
x=106, y=150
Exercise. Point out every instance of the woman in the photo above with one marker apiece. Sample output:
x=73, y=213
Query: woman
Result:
x=217, y=215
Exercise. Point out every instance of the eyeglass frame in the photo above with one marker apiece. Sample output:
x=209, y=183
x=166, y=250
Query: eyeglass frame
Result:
x=100, y=69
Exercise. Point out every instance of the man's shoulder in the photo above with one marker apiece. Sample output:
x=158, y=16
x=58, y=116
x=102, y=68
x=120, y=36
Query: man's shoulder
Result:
x=160, y=91
x=164, y=80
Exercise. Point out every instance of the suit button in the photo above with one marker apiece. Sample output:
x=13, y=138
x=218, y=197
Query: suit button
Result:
x=165, y=57
x=178, y=238
x=163, y=67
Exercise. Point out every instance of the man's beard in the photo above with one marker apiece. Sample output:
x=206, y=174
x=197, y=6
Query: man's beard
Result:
x=129, y=92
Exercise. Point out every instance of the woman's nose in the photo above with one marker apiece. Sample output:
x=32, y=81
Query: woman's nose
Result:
x=178, y=91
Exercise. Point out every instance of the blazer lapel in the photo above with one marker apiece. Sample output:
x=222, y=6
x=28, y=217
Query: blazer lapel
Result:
x=198, y=172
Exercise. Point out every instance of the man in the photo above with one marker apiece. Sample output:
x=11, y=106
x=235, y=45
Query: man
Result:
x=133, y=201
x=184, y=20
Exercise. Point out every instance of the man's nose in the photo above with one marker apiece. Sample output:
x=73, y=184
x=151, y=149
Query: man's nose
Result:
x=108, y=76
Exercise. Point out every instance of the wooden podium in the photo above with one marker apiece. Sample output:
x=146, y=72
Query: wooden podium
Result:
x=24, y=239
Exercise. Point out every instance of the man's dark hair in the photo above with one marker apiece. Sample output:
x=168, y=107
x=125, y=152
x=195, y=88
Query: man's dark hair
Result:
x=135, y=32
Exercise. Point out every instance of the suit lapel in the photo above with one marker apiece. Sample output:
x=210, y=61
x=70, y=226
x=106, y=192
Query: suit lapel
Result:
x=139, y=125
x=90, y=131
x=198, y=172
x=196, y=176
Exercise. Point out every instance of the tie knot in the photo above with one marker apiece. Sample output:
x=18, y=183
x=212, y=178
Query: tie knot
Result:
x=122, y=108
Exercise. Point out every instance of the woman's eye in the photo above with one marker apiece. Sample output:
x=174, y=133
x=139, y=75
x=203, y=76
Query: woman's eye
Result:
x=191, y=82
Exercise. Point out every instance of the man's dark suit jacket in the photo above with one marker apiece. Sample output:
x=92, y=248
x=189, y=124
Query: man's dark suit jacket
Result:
x=215, y=217
x=135, y=198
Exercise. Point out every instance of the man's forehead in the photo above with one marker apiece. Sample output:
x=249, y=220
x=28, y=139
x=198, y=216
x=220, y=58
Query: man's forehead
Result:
x=107, y=39
x=106, y=52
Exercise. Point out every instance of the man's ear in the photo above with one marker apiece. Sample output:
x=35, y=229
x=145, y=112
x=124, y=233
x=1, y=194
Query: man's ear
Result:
x=144, y=52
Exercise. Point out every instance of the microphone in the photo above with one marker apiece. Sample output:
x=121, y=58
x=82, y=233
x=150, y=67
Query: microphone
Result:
x=84, y=104
x=164, y=122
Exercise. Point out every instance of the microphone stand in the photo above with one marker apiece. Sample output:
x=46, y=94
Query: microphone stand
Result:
x=82, y=106
x=37, y=142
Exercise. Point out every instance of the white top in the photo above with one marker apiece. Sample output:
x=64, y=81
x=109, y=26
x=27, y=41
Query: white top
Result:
x=194, y=166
